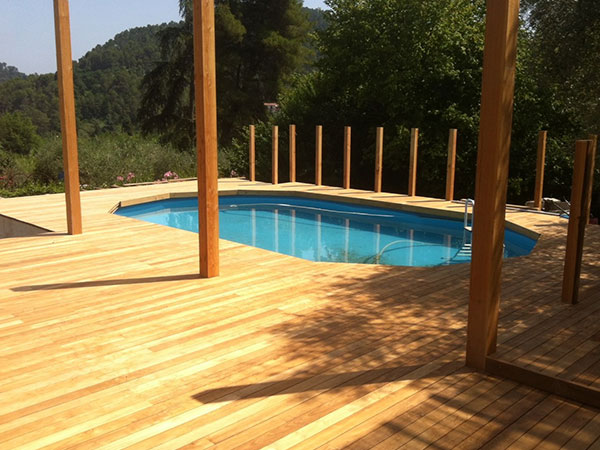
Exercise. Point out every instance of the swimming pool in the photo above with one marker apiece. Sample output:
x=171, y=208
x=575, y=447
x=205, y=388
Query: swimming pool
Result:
x=321, y=230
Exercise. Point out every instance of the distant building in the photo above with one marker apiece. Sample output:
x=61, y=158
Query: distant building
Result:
x=272, y=107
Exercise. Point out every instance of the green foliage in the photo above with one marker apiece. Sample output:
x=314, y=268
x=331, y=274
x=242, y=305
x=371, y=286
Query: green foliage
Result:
x=9, y=72
x=397, y=64
x=102, y=160
x=259, y=44
x=107, y=87
x=18, y=134
x=567, y=45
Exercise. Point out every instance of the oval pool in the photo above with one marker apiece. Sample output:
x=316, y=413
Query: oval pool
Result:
x=320, y=230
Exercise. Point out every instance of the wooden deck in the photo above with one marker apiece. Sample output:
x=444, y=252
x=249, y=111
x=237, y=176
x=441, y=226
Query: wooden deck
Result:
x=110, y=340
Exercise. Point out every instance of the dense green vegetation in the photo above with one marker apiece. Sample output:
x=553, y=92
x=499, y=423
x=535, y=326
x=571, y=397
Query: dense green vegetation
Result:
x=258, y=46
x=417, y=63
x=393, y=63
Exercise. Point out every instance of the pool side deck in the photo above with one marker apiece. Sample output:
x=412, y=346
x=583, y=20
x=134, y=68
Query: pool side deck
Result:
x=110, y=340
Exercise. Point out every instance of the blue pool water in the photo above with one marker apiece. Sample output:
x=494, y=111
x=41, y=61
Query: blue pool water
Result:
x=320, y=230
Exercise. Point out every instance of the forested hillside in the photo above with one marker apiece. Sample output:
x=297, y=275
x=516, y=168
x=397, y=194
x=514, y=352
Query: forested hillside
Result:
x=9, y=72
x=107, y=86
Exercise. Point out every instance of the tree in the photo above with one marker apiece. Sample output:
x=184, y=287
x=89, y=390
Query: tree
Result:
x=398, y=64
x=259, y=44
x=9, y=72
x=18, y=134
x=566, y=39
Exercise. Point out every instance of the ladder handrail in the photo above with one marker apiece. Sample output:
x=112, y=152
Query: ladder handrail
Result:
x=466, y=218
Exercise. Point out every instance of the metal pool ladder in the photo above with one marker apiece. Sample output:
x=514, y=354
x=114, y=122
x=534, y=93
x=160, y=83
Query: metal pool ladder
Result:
x=465, y=251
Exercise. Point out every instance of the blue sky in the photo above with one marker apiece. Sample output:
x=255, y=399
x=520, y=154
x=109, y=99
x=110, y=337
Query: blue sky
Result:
x=27, y=27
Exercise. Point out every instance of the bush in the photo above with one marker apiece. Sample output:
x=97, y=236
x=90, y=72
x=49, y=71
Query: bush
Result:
x=18, y=134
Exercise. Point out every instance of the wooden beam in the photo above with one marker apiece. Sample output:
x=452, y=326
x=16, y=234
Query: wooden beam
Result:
x=252, y=156
x=378, y=159
x=292, y=138
x=451, y=165
x=68, y=121
x=578, y=219
x=591, y=169
x=412, y=169
x=206, y=136
x=275, y=155
x=539, y=170
x=319, y=156
x=497, y=96
x=347, y=156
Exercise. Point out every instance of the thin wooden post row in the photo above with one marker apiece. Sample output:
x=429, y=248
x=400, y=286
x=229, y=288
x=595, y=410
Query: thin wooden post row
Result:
x=451, y=165
x=292, y=138
x=252, y=156
x=539, y=170
x=347, y=156
x=497, y=98
x=319, y=155
x=206, y=136
x=67, y=115
x=578, y=218
x=412, y=170
x=378, y=159
x=275, y=156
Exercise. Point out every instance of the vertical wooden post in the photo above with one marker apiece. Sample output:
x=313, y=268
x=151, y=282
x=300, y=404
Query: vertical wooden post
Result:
x=347, y=156
x=275, y=155
x=497, y=97
x=252, y=156
x=412, y=170
x=539, y=170
x=67, y=115
x=319, y=155
x=206, y=136
x=378, y=159
x=451, y=165
x=578, y=219
x=292, y=153
x=588, y=206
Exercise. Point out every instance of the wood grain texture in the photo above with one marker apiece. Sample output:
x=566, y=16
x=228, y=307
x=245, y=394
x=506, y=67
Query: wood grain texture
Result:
x=66, y=96
x=292, y=148
x=378, y=159
x=347, y=156
x=412, y=165
x=126, y=347
x=319, y=155
x=252, y=154
x=275, y=155
x=497, y=96
x=578, y=218
x=539, y=170
x=451, y=164
x=206, y=136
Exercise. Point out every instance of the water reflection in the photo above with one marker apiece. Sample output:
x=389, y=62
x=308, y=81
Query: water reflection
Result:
x=318, y=232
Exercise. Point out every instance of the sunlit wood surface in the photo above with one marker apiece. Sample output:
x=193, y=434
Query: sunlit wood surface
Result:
x=110, y=340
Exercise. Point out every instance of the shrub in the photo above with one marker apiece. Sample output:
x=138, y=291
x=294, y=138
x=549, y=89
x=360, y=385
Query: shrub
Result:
x=18, y=134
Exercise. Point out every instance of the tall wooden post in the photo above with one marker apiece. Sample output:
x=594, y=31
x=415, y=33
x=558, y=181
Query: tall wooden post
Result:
x=497, y=95
x=206, y=136
x=347, y=156
x=378, y=159
x=451, y=165
x=292, y=153
x=588, y=205
x=583, y=174
x=319, y=155
x=539, y=170
x=67, y=115
x=275, y=156
x=412, y=170
x=252, y=156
